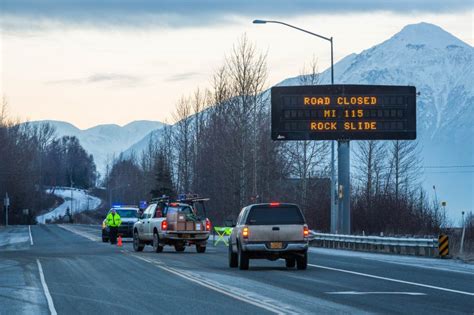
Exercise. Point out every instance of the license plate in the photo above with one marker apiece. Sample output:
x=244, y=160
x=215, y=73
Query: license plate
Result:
x=198, y=226
x=276, y=245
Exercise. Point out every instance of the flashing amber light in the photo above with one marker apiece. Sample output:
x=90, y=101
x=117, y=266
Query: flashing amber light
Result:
x=164, y=225
x=208, y=225
x=245, y=232
x=274, y=204
x=305, y=231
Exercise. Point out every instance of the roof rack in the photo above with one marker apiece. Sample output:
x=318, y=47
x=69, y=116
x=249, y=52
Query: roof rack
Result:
x=190, y=198
x=163, y=198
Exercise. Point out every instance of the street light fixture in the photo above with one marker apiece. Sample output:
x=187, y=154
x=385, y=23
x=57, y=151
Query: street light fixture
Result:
x=335, y=225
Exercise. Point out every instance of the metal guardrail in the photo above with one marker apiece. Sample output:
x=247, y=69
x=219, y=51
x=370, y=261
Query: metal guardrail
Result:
x=399, y=245
x=378, y=240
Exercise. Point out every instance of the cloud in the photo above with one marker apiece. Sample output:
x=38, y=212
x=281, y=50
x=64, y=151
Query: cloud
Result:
x=181, y=76
x=120, y=79
x=175, y=13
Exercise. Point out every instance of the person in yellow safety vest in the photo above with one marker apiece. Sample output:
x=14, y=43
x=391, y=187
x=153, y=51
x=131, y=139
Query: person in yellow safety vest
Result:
x=113, y=222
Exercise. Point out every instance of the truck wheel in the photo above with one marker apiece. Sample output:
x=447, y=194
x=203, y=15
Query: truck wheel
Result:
x=233, y=258
x=179, y=248
x=156, y=243
x=200, y=248
x=302, y=262
x=137, y=245
x=290, y=262
x=243, y=260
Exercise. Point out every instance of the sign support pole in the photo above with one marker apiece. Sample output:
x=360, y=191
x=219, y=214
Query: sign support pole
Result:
x=334, y=211
x=344, y=177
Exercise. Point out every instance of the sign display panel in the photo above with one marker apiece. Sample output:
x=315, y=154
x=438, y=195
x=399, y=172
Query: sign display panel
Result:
x=344, y=112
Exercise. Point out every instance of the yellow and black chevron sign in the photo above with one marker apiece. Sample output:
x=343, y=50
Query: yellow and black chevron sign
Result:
x=443, y=245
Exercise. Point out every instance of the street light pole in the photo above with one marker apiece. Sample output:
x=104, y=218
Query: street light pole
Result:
x=343, y=151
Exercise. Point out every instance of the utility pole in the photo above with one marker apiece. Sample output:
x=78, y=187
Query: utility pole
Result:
x=72, y=183
x=6, y=203
x=461, y=251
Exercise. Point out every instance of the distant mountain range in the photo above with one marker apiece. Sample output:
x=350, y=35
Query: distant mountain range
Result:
x=424, y=55
x=106, y=141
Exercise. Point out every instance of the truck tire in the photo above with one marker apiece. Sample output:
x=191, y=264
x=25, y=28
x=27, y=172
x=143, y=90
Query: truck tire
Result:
x=179, y=248
x=156, y=243
x=290, y=262
x=233, y=258
x=243, y=260
x=302, y=262
x=138, y=246
x=200, y=248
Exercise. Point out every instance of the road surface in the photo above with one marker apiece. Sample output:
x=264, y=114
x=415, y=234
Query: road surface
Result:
x=68, y=270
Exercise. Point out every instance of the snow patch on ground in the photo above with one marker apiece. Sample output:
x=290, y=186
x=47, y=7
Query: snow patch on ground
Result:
x=81, y=201
x=14, y=237
x=419, y=262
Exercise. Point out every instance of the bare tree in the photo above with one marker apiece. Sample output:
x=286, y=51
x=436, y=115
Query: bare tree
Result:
x=182, y=140
x=307, y=158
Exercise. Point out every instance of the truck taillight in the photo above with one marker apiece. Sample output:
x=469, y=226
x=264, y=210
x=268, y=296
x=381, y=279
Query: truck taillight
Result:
x=208, y=225
x=305, y=231
x=164, y=225
x=245, y=232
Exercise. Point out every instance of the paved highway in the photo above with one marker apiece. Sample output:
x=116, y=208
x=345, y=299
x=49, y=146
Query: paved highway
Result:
x=68, y=270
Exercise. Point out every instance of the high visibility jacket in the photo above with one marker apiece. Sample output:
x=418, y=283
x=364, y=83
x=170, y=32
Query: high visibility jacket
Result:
x=113, y=219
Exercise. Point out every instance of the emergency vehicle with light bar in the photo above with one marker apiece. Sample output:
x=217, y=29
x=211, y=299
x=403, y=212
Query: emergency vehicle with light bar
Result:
x=180, y=223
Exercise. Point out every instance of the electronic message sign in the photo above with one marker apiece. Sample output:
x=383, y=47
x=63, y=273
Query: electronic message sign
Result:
x=344, y=112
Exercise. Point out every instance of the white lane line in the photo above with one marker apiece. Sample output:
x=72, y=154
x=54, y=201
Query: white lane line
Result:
x=80, y=233
x=52, y=310
x=394, y=280
x=369, y=293
x=215, y=287
x=31, y=237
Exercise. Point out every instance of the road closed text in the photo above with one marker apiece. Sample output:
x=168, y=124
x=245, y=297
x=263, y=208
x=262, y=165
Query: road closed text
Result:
x=333, y=125
x=340, y=100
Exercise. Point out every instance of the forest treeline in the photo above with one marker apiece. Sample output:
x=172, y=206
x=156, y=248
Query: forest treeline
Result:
x=33, y=158
x=220, y=147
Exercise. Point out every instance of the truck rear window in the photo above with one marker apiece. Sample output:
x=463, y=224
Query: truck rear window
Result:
x=275, y=216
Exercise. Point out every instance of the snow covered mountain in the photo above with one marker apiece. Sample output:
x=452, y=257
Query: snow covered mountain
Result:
x=441, y=67
x=105, y=141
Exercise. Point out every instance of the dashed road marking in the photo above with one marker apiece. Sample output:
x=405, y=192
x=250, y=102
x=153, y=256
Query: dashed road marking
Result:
x=394, y=280
x=49, y=299
x=375, y=293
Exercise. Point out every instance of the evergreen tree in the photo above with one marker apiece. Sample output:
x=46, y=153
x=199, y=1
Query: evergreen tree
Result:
x=163, y=182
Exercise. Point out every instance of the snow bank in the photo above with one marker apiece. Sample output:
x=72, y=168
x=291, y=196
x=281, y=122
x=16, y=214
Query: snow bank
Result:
x=81, y=201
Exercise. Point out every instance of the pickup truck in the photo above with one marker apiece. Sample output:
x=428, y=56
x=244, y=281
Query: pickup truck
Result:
x=270, y=231
x=171, y=223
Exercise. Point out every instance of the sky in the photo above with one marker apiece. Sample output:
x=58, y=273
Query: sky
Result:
x=115, y=61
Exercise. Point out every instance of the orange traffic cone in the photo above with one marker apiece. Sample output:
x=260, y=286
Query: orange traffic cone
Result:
x=119, y=242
